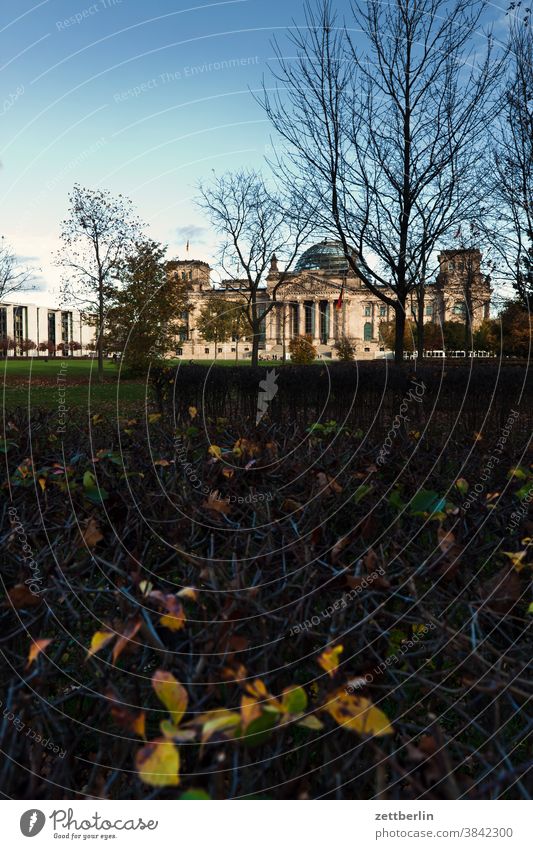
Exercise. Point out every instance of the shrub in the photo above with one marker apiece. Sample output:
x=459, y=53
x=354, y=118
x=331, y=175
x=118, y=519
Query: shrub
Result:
x=345, y=349
x=302, y=350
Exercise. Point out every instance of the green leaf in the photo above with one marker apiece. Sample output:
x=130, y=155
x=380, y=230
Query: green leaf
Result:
x=426, y=501
x=294, y=699
x=360, y=492
x=195, y=794
x=259, y=729
x=395, y=500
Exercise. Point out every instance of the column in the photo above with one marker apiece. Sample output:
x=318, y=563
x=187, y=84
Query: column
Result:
x=316, y=328
x=301, y=318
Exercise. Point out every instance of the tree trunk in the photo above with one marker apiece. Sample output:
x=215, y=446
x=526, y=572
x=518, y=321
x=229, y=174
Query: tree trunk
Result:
x=420, y=323
x=400, y=330
x=100, y=340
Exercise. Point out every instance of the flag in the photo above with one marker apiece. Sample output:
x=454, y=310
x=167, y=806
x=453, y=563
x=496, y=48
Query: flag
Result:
x=187, y=246
x=338, y=302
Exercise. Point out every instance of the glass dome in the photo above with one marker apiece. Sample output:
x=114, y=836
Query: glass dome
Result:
x=326, y=256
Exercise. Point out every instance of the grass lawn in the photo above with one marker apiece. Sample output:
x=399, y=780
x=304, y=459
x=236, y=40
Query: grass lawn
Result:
x=34, y=382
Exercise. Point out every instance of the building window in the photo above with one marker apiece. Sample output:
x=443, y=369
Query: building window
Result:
x=179, y=352
x=220, y=350
x=459, y=308
x=367, y=350
x=206, y=350
x=295, y=320
x=19, y=323
x=367, y=333
x=383, y=310
x=233, y=350
x=190, y=275
x=3, y=322
x=429, y=309
x=183, y=275
x=451, y=265
x=309, y=311
x=368, y=310
x=52, y=327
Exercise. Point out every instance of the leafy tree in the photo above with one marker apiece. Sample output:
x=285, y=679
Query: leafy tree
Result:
x=47, y=346
x=510, y=333
x=6, y=344
x=218, y=320
x=345, y=349
x=302, y=350
x=98, y=234
x=147, y=310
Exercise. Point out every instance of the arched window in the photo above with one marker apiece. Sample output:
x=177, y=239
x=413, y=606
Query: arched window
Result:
x=368, y=331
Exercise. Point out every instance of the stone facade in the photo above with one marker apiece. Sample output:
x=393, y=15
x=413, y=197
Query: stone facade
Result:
x=306, y=303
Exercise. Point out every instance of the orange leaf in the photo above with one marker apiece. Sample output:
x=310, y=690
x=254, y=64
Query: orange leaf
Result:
x=125, y=638
x=35, y=650
x=21, y=596
x=250, y=710
x=329, y=659
x=92, y=535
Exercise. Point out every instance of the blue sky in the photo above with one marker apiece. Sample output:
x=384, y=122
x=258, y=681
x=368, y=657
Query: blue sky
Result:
x=138, y=98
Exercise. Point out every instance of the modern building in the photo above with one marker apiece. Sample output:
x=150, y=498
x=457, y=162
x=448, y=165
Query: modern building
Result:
x=31, y=330
x=309, y=302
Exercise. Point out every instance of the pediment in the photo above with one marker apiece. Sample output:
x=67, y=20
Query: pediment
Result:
x=308, y=284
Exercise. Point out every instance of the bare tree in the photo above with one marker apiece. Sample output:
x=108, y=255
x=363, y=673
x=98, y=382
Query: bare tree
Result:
x=511, y=186
x=14, y=275
x=97, y=236
x=386, y=142
x=257, y=224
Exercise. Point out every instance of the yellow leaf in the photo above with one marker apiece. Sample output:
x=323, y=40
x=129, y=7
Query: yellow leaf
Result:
x=99, y=640
x=358, y=714
x=42, y=483
x=215, y=451
x=219, y=720
x=193, y=412
x=154, y=417
x=158, y=763
x=173, y=623
x=329, y=659
x=257, y=689
x=530, y=608
x=161, y=463
x=250, y=710
x=146, y=587
x=36, y=648
x=171, y=693
x=189, y=593
x=516, y=557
